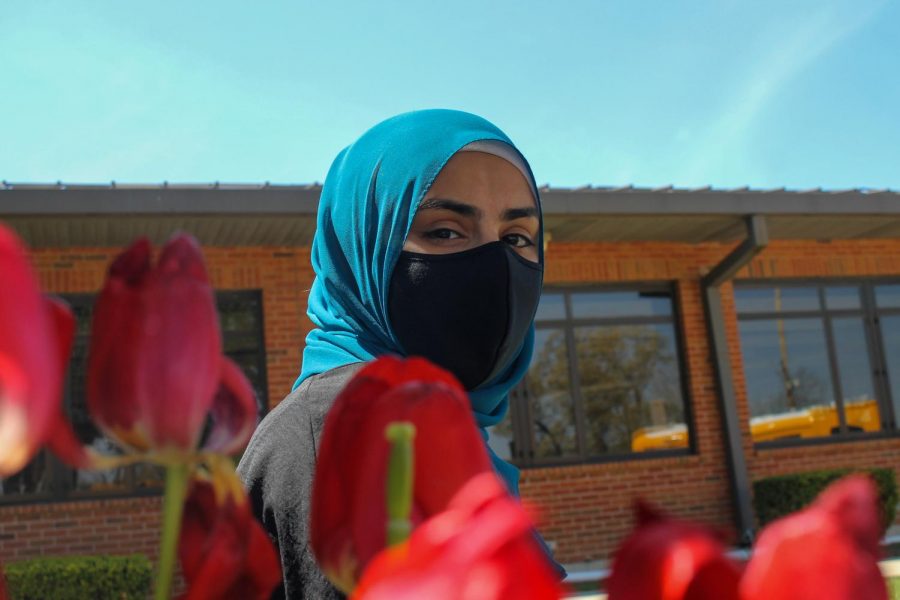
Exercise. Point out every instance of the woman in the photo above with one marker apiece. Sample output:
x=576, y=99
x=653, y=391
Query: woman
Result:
x=429, y=243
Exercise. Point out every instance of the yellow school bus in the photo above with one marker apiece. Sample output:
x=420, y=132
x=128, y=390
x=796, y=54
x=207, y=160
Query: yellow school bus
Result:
x=815, y=421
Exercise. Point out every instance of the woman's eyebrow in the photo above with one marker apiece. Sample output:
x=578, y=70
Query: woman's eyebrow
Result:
x=520, y=213
x=466, y=210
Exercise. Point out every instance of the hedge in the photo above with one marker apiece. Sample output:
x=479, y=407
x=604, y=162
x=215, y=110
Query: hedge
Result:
x=80, y=577
x=775, y=497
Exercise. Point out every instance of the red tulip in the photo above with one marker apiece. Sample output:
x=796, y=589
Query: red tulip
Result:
x=667, y=559
x=828, y=551
x=224, y=552
x=156, y=362
x=35, y=341
x=348, y=514
x=480, y=548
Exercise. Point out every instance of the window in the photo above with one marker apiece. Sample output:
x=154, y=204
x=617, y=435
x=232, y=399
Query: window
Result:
x=46, y=478
x=605, y=380
x=819, y=357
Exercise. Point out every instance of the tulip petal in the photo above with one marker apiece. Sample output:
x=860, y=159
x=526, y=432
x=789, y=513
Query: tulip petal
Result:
x=61, y=438
x=184, y=346
x=30, y=367
x=828, y=551
x=155, y=359
x=225, y=554
x=132, y=266
x=113, y=383
x=480, y=548
x=234, y=411
x=667, y=559
x=182, y=258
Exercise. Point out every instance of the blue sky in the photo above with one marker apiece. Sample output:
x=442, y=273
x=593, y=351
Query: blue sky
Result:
x=722, y=92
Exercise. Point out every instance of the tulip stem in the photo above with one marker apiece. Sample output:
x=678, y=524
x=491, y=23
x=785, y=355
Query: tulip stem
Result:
x=173, y=507
x=399, y=487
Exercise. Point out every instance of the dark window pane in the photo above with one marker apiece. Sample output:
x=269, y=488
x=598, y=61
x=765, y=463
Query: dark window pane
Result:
x=887, y=296
x=842, y=297
x=241, y=318
x=788, y=379
x=552, y=306
x=631, y=303
x=890, y=333
x=36, y=479
x=546, y=387
x=858, y=393
x=252, y=367
x=240, y=342
x=775, y=299
x=631, y=388
x=238, y=317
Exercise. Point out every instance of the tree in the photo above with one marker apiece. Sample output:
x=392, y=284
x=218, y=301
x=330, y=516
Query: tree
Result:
x=628, y=379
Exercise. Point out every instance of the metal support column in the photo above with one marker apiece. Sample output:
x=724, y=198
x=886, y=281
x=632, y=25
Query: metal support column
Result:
x=757, y=239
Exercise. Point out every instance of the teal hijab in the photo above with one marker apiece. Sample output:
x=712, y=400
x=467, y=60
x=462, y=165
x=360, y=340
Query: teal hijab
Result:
x=366, y=208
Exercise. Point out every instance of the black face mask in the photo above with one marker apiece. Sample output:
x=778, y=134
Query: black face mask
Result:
x=467, y=312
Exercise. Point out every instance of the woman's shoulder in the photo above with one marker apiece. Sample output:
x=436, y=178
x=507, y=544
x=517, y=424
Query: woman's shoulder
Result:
x=292, y=428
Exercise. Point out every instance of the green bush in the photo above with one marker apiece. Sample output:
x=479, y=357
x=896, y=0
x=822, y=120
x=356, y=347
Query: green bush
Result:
x=775, y=497
x=80, y=577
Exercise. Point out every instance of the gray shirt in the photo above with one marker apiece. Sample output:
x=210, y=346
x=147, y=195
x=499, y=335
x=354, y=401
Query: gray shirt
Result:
x=277, y=468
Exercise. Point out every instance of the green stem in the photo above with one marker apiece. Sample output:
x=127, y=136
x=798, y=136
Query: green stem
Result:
x=399, y=489
x=173, y=506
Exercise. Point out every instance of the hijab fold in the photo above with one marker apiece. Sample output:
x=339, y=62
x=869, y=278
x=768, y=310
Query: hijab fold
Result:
x=366, y=208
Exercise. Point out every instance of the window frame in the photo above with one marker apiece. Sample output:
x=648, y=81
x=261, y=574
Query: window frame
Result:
x=870, y=314
x=523, y=453
x=59, y=472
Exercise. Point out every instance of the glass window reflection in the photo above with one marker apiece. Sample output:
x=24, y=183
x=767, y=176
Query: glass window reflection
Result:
x=630, y=385
x=792, y=365
x=547, y=389
x=614, y=387
x=600, y=305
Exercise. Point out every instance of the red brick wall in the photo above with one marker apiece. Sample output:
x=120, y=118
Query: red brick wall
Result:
x=123, y=526
x=584, y=509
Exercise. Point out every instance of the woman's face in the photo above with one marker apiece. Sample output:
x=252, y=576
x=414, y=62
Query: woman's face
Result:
x=477, y=198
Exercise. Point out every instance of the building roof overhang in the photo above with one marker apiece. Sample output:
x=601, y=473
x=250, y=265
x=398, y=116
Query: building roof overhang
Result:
x=284, y=215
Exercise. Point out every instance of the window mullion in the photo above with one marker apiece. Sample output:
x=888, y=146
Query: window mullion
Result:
x=877, y=358
x=575, y=382
x=837, y=390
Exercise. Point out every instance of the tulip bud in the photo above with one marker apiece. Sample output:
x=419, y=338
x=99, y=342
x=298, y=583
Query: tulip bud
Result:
x=347, y=528
x=224, y=551
x=667, y=559
x=155, y=355
x=829, y=551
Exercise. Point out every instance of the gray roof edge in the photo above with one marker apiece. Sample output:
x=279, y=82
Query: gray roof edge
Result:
x=118, y=199
x=159, y=201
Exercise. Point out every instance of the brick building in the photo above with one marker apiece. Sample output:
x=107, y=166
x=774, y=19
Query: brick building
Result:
x=689, y=342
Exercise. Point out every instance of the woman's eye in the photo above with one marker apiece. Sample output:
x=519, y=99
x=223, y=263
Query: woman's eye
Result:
x=442, y=234
x=517, y=240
